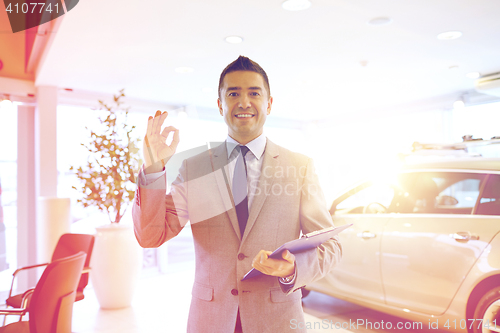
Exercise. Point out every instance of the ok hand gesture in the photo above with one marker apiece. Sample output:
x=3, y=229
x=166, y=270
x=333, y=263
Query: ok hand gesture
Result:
x=156, y=151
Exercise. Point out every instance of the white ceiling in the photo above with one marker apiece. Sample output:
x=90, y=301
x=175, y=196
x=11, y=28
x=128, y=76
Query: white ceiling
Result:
x=313, y=57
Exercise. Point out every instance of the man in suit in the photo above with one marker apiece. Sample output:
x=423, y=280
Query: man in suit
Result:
x=236, y=225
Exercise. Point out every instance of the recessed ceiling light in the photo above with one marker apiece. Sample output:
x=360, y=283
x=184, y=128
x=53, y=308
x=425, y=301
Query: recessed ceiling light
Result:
x=449, y=35
x=234, y=39
x=379, y=21
x=184, y=69
x=5, y=103
x=295, y=5
x=473, y=75
x=459, y=104
x=453, y=67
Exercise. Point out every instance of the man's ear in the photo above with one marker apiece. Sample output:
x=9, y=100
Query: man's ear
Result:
x=269, y=104
x=219, y=104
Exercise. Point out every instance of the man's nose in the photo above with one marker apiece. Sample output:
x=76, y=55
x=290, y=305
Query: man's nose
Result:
x=244, y=102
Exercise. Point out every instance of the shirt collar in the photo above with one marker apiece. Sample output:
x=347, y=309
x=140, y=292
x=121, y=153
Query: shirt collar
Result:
x=256, y=146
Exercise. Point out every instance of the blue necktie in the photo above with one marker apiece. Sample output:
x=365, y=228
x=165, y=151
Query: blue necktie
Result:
x=240, y=195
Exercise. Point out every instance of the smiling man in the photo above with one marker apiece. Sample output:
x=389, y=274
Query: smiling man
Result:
x=241, y=205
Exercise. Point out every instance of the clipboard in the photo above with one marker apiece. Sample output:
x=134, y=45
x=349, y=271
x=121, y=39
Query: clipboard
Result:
x=306, y=242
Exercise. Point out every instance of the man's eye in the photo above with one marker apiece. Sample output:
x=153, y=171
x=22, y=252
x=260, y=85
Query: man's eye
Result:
x=232, y=94
x=254, y=93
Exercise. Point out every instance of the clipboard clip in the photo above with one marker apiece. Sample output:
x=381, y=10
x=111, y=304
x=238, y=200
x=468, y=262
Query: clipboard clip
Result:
x=317, y=232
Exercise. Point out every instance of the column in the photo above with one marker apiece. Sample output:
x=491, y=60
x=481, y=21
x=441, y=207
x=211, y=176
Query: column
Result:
x=26, y=192
x=46, y=135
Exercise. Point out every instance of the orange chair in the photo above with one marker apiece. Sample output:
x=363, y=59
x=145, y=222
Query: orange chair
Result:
x=50, y=303
x=67, y=245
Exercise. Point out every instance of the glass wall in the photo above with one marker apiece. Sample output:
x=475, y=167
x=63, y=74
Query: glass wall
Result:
x=194, y=133
x=349, y=149
x=8, y=195
x=481, y=121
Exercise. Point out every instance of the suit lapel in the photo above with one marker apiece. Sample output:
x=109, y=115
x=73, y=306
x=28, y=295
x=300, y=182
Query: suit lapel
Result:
x=220, y=167
x=266, y=181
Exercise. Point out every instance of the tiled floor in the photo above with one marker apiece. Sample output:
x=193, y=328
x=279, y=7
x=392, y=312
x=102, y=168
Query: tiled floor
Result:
x=161, y=304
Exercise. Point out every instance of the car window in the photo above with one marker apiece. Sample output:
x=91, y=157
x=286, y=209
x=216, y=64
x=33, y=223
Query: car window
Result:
x=462, y=194
x=441, y=193
x=369, y=198
x=489, y=203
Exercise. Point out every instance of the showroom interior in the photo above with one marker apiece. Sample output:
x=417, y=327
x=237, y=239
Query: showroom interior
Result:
x=355, y=85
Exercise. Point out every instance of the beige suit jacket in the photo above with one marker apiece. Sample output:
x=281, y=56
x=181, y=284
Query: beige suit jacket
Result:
x=288, y=201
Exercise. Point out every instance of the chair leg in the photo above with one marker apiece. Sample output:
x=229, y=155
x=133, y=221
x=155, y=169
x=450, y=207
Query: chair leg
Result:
x=5, y=318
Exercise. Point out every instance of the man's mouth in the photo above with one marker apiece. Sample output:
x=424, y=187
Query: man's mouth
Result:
x=244, y=115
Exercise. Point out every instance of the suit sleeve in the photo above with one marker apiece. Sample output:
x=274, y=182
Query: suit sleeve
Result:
x=314, y=264
x=157, y=216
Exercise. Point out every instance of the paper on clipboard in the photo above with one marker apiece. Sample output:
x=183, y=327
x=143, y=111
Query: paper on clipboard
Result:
x=306, y=242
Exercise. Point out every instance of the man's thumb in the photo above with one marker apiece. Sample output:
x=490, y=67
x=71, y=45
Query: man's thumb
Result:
x=287, y=255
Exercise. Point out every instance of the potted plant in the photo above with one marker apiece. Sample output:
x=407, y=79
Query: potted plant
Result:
x=108, y=184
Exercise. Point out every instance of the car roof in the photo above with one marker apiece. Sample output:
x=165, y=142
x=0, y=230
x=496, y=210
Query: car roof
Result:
x=473, y=163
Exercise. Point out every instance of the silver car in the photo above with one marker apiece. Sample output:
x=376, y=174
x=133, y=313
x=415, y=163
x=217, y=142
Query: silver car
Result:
x=424, y=246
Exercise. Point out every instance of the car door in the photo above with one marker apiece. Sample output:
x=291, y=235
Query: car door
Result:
x=358, y=273
x=428, y=250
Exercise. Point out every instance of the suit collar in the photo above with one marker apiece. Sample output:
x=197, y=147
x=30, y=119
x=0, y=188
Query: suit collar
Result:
x=220, y=166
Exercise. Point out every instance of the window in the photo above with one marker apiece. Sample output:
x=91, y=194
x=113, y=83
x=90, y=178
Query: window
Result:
x=489, y=204
x=8, y=196
x=441, y=193
x=368, y=199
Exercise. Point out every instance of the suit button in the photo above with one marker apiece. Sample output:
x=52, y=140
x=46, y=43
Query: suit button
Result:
x=241, y=256
x=234, y=292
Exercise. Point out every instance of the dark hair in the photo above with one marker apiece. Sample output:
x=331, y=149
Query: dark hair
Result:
x=245, y=64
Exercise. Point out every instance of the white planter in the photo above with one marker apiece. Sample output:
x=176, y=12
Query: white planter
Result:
x=116, y=264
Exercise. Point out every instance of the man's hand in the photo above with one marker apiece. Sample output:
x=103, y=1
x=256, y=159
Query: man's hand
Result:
x=155, y=149
x=275, y=267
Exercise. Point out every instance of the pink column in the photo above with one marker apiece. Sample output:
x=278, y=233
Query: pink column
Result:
x=26, y=191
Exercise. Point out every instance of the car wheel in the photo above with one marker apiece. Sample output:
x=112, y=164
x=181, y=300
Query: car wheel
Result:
x=305, y=292
x=487, y=310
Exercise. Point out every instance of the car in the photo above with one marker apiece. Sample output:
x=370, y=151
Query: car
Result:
x=424, y=245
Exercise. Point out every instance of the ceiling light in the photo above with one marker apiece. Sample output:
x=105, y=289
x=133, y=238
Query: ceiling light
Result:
x=458, y=104
x=182, y=114
x=473, y=75
x=5, y=102
x=379, y=21
x=449, y=35
x=453, y=67
x=234, y=39
x=295, y=5
x=184, y=69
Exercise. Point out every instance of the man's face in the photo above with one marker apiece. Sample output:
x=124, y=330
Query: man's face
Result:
x=244, y=103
